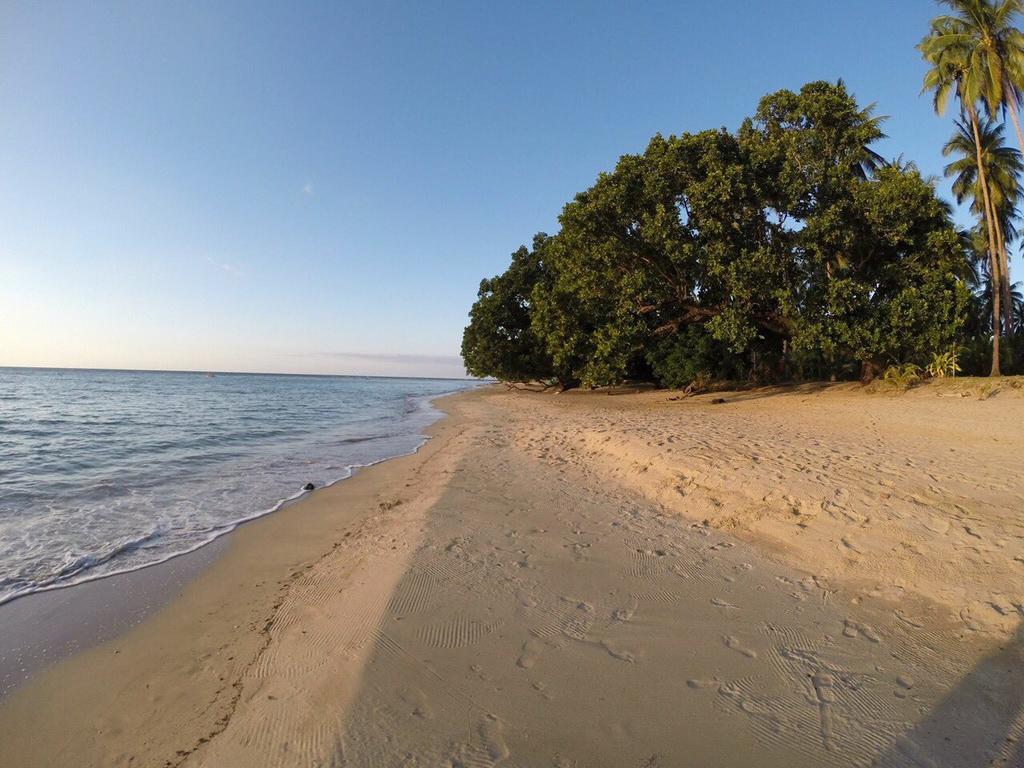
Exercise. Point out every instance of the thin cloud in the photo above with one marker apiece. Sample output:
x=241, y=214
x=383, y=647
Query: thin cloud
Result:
x=224, y=266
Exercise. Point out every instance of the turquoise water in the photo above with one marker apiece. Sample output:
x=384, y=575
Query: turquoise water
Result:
x=107, y=471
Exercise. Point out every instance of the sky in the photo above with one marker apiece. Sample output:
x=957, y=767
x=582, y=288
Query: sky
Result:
x=319, y=187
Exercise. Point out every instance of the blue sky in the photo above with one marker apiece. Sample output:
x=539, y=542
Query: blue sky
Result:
x=319, y=187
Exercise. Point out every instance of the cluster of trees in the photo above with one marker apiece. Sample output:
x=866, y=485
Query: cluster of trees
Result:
x=976, y=55
x=789, y=249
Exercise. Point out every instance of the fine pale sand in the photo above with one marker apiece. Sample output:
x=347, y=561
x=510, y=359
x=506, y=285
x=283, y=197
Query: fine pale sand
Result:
x=816, y=576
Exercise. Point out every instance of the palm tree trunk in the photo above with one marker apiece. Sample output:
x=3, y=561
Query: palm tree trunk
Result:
x=997, y=295
x=1004, y=281
x=1008, y=306
x=990, y=230
x=1011, y=99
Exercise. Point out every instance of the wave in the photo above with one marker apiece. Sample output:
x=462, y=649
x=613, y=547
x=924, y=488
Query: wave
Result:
x=366, y=439
x=83, y=568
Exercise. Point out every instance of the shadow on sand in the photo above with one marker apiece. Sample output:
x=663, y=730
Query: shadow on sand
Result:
x=978, y=723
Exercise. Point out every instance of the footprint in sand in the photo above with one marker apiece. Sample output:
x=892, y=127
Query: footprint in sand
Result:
x=577, y=625
x=702, y=684
x=491, y=745
x=531, y=652
x=493, y=736
x=625, y=613
x=732, y=642
x=488, y=748
x=579, y=550
x=825, y=694
x=542, y=689
x=853, y=628
x=620, y=653
x=528, y=601
x=903, y=685
x=417, y=702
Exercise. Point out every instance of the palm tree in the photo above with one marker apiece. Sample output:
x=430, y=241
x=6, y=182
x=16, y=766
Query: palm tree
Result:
x=954, y=70
x=1017, y=298
x=1017, y=302
x=1002, y=166
x=984, y=28
x=983, y=32
x=900, y=164
x=979, y=281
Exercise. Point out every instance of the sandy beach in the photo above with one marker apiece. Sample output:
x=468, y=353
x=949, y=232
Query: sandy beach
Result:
x=796, y=577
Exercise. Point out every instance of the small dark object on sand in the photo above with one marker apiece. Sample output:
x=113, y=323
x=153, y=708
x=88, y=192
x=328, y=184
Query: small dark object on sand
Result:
x=718, y=401
x=309, y=487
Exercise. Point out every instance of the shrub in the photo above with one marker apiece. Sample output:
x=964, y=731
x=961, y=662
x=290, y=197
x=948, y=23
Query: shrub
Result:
x=902, y=376
x=944, y=364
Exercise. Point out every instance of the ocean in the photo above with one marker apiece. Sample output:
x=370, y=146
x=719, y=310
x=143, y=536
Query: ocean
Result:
x=103, y=472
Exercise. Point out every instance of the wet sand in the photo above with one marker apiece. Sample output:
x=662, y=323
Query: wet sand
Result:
x=45, y=627
x=815, y=576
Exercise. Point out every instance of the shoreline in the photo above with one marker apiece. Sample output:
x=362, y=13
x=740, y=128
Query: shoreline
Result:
x=46, y=627
x=240, y=587
x=39, y=640
x=474, y=602
x=231, y=527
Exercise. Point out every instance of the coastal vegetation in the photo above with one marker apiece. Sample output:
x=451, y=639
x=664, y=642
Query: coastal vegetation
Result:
x=788, y=249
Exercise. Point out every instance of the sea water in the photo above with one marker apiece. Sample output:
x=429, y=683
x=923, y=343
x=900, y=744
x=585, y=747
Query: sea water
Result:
x=103, y=472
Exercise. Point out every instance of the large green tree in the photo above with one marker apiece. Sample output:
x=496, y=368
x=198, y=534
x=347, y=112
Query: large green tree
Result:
x=786, y=247
x=672, y=237
x=895, y=295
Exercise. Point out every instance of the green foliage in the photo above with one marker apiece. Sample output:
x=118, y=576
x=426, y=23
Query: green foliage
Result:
x=785, y=249
x=689, y=356
x=1002, y=166
x=944, y=365
x=902, y=376
x=976, y=353
x=499, y=340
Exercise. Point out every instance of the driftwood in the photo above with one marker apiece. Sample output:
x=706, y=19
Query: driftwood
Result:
x=689, y=391
x=530, y=386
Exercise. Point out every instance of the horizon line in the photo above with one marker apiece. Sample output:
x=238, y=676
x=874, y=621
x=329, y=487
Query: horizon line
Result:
x=203, y=372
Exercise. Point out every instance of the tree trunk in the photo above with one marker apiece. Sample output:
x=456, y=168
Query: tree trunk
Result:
x=990, y=230
x=782, y=370
x=1004, y=281
x=1011, y=98
x=869, y=369
x=997, y=295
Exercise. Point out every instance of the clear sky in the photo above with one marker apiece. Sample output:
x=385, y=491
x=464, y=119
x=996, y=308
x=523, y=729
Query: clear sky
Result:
x=319, y=187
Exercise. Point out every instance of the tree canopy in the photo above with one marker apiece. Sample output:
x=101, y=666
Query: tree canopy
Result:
x=788, y=248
